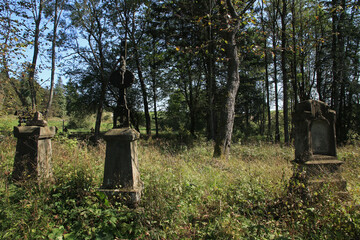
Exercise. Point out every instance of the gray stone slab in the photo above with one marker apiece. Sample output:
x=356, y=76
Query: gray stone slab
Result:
x=121, y=172
x=316, y=161
x=33, y=153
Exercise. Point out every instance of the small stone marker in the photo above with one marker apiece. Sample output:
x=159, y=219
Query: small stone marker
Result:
x=33, y=150
x=121, y=174
x=315, y=147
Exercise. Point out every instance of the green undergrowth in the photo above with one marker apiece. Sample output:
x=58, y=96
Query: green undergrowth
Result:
x=187, y=195
x=7, y=124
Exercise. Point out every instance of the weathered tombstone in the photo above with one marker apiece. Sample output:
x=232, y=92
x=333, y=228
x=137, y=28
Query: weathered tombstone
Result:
x=315, y=146
x=33, y=150
x=121, y=174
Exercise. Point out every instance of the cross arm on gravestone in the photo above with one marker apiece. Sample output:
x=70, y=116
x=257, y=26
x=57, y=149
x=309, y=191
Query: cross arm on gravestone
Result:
x=122, y=80
x=37, y=120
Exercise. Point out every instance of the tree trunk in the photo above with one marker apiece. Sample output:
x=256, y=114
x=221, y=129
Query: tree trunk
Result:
x=210, y=79
x=155, y=113
x=318, y=59
x=335, y=59
x=153, y=76
x=247, y=123
x=319, y=71
x=294, y=62
x=100, y=109
x=274, y=30
x=103, y=80
x=267, y=94
x=210, y=87
x=223, y=142
x=191, y=102
x=31, y=75
x=277, y=128
x=284, y=72
x=303, y=83
x=210, y=84
x=143, y=90
x=341, y=116
x=262, y=109
x=267, y=85
x=53, y=58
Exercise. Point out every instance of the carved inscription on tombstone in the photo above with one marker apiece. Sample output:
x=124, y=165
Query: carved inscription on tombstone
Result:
x=320, y=135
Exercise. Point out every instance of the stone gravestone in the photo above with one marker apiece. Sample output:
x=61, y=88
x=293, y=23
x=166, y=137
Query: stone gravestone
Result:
x=33, y=150
x=315, y=146
x=121, y=174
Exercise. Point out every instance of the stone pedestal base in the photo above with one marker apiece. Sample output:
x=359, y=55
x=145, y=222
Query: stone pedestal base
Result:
x=33, y=153
x=322, y=171
x=129, y=197
x=121, y=175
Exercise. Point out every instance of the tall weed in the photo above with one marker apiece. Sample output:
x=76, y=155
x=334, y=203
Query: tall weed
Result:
x=187, y=195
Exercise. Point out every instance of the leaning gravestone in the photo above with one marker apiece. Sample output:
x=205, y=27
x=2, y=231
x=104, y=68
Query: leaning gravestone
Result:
x=315, y=146
x=121, y=174
x=33, y=150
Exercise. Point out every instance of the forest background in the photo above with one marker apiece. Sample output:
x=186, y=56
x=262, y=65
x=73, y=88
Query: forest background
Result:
x=227, y=70
x=207, y=71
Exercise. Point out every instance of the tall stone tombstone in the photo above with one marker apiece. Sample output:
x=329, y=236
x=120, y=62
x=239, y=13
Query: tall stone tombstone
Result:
x=121, y=174
x=315, y=146
x=33, y=150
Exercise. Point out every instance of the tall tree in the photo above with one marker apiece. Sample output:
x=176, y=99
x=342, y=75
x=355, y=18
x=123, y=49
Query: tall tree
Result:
x=284, y=70
x=154, y=63
x=340, y=78
x=266, y=65
x=230, y=26
x=128, y=14
x=13, y=41
x=58, y=9
x=89, y=17
x=37, y=7
x=294, y=52
x=274, y=13
x=208, y=19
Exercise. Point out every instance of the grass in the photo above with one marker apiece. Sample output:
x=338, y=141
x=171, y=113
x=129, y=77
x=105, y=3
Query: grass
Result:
x=7, y=124
x=187, y=195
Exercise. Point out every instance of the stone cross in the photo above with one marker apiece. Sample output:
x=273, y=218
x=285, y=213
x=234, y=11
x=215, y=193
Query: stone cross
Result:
x=37, y=120
x=122, y=79
x=121, y=171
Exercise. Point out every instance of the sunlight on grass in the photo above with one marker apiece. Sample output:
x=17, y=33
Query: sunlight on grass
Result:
x=187, y=194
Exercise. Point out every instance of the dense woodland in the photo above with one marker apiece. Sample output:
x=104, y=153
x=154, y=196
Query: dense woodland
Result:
x=228, y=71
x=224, y=69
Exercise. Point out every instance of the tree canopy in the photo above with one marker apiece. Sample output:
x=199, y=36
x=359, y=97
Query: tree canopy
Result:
x=225, y=69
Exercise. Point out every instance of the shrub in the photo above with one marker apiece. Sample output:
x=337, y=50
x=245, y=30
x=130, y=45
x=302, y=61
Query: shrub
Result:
x=80, y=121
